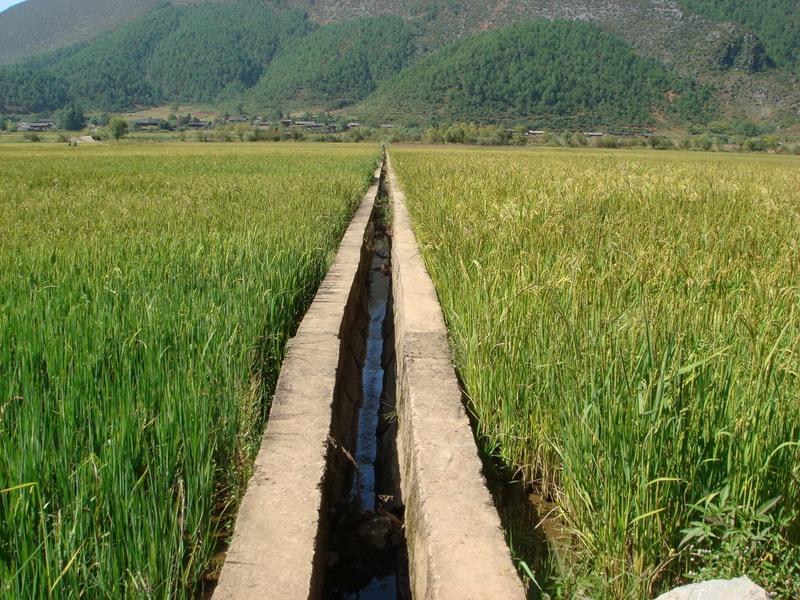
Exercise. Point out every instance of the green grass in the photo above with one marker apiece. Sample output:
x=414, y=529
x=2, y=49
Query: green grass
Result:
x=627, y=326
x=146, y=295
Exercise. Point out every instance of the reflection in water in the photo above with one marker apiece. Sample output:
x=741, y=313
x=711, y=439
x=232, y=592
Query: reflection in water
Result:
x=367, y=558
x=372, y=382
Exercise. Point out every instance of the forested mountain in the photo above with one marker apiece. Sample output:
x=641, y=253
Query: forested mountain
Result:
x=559, y=71
x=173, y=53
x=726, y=53
x=211, y=53
x=213, y=46
x=44, y=25
x=551, y=71
x=671, y=60
x=775, y=22
x=337, y=65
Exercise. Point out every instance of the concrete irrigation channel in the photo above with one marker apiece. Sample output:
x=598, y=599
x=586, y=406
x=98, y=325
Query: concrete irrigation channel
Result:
x=368, y=484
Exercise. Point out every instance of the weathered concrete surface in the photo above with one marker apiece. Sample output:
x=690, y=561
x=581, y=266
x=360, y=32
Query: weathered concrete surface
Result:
x=456, y=545
x=733, y=589
x=277, y=550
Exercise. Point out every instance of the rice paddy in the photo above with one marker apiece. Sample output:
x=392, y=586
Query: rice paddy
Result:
x=146, y=295
x=627, y=327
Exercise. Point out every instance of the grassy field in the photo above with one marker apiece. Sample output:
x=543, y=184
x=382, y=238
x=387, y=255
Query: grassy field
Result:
x=146, y=294
x=627, y=326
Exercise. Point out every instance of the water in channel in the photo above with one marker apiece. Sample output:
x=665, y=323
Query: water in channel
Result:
x=368, y=558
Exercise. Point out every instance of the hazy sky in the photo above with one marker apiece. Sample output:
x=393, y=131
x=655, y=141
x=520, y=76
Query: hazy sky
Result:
x=4, y=4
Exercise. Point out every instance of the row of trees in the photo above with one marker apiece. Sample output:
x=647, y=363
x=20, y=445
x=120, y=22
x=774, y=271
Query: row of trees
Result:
x=703, y=139
x=469, y=133
x=73, y=118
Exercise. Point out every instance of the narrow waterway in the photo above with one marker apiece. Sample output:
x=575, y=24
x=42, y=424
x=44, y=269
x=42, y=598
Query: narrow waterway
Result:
x=372, y=375
x=367, y=556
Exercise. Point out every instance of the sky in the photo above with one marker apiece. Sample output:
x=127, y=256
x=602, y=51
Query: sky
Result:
x=4, y=4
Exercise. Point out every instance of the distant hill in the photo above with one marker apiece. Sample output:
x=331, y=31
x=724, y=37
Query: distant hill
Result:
x=172, y=53
x=337, y=65
x=553, y=72
x=39, y=26
x=276, y=59
x=682, y=58
x=716, y=42
x=776, y=23
x=215, y=53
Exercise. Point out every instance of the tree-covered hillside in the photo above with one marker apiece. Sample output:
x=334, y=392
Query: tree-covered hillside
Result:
x=337, y=65
x=38, y=26
x=776, y=22
x=269, y=54
x=546, y=71
x=215, y=46
x=215, y=53
x=173, y=53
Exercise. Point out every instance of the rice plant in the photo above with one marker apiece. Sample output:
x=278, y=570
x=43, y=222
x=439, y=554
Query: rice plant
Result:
x=146, y=295
x=628, y=330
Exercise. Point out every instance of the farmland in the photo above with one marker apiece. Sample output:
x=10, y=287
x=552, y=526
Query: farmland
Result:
x=627, y=328
x=146, y=295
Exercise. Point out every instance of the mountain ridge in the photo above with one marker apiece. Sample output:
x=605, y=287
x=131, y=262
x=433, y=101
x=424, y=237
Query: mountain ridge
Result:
x=36, y=26
x=726, y=57
x=557, y=73
x=691, y=43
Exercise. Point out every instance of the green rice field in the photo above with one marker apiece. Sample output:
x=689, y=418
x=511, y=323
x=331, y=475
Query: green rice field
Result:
x=627, y=327
x=146, y=295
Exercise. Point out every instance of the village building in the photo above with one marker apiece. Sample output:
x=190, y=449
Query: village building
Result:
x=37, y=126
x=147, y=124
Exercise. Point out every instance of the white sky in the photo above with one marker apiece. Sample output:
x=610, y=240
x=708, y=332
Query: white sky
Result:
x=4, y=4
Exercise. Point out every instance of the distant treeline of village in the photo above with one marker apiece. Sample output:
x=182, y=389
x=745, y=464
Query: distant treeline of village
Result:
x=732, y=135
